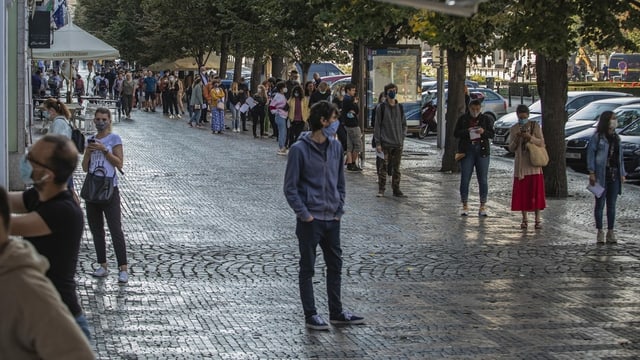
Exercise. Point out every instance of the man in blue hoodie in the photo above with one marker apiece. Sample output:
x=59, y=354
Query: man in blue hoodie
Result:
x=314, y=186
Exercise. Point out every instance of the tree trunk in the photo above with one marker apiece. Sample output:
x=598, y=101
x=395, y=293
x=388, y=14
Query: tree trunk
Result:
x=552, y=85
x=237, y=65
x=224, y=55
x=277, y=66
x=456, y=61
x=256, y=72
x=305, y=69
x=356, y=75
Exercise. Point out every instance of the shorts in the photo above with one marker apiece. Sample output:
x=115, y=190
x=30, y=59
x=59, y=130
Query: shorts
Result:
x=354, y=139
x=149, y=96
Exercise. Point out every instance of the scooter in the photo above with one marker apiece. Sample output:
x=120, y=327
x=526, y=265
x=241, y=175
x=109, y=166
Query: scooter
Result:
x=428, y=120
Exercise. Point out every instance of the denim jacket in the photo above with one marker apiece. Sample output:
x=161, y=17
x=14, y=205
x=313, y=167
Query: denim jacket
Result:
x=597, y=154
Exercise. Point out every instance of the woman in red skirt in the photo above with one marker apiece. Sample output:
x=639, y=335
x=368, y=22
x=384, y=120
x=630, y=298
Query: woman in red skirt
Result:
x=528, y=182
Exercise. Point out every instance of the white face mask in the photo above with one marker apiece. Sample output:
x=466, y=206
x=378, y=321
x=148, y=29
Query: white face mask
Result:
x=613, y=124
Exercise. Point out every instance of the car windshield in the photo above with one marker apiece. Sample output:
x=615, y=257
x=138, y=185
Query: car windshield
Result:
x=592, y=111
x=633, y=129
x=626, y=117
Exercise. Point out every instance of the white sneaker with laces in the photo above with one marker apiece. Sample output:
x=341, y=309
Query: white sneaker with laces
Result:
x=123, y=277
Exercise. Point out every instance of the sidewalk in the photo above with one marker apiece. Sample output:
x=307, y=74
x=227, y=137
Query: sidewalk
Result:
x=213, y=259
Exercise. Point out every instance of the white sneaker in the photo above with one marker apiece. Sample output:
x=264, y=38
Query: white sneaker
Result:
x=123, y=277
x=482, y=211
x=282, y=152
x=101, y=272
x=465, y=210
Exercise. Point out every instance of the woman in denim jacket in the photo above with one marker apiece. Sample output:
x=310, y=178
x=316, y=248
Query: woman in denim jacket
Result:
x=606, y=167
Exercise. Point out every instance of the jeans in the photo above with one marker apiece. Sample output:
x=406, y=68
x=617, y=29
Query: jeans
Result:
x=258, y=120
x=81, y=320
x=112, y=212
x=327, y=235
x=610, y=196
x=474, y=158
x=282, y=131
x=195, y=115
x=235, y=116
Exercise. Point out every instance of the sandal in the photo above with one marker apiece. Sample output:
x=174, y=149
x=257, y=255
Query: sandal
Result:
x=523, y=225
x=538, y=225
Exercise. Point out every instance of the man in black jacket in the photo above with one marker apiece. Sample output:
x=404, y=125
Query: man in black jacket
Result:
x=349, y=117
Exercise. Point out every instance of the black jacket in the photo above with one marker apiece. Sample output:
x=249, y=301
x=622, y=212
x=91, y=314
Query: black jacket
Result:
x=347, y=106
x=462, y=133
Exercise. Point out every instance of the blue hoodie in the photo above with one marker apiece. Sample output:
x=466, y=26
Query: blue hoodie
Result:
x=314, y=182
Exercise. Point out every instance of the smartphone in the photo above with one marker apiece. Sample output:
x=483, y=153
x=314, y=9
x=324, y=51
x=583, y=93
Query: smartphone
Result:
x=91, y=141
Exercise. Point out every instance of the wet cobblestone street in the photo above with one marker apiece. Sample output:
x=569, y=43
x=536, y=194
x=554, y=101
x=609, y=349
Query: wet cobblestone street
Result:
x=213, y=259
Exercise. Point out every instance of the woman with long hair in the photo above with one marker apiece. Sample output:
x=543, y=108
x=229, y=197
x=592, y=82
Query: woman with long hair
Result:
x=60, y=115
x=298, y=114
x=217, y=108
x=528, y=183
x=103, y=155
x=234, y=106
x=606, y=168
x=196, y=102
x=278, y=108
x=258, y=111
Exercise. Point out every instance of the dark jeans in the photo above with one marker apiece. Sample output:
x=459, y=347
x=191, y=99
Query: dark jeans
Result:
x=126, y=104
x=243, y=118
x=294, y=131
x=258, y=120
x=390, y=165
x=327, y=234
x=474, y=158
x=173, y=103
x=609, y=197
x=113, y=214
x=165, y=102
x=274, y=126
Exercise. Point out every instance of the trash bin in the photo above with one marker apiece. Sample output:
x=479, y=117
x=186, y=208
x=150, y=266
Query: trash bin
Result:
x=490, y=82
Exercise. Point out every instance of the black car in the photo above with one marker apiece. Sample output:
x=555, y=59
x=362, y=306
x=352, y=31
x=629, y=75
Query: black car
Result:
x=628, y=117
x=630, y=144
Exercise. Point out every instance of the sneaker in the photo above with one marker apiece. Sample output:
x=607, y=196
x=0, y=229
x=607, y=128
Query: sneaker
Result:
x=465, y=210
x=399, y=193
x=611, y=237
x=347, y=318
x=123, y=277
x=380, y=193
x=600, y=237
x=482, y=211
x=316, y=322
x=101, y=272
x=351, y=167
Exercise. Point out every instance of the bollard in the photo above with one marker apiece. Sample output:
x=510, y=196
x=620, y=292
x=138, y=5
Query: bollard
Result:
x=509, y=94
x=521, y=95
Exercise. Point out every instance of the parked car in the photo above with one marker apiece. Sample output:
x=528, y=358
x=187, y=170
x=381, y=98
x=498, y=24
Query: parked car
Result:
x=575, y=101
x=432, y=85
x=576, y=144
x=493, y=104
x=323, y=68
x=588, y=115
x=333, y=78
x=630, y=144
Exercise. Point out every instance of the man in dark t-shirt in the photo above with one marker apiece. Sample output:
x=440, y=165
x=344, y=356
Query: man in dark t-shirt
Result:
x=50, y=217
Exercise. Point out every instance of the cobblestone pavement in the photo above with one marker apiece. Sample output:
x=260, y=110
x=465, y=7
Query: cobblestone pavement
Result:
x=213, y=260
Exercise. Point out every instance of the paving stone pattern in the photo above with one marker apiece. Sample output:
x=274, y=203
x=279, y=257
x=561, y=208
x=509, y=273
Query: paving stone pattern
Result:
x=213, y=259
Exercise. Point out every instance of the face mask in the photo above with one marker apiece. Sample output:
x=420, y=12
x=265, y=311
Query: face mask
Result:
x=350, y=115
x=171, y=78
x=474, y=114
x=101, y=125
x=391, y=94
x=523, y=121
x=296, y=94
x=330, y=131
x=613, y=124
x=26, y=172
x=323, y=92
x=285, y=90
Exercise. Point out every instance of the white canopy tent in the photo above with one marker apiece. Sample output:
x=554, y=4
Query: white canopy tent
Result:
x=72, y=42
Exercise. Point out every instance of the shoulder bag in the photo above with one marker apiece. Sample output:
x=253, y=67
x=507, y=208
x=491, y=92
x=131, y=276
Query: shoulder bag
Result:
x=537, y=154
x=97, y=189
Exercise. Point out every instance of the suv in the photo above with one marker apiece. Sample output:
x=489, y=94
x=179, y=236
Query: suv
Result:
x=575, y=101
x=576, y=144
x=588, y=115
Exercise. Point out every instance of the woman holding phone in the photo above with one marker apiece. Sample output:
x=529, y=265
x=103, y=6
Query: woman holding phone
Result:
x=103, y=155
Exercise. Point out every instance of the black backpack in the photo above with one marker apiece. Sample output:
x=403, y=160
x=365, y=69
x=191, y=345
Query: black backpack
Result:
x=78, y=138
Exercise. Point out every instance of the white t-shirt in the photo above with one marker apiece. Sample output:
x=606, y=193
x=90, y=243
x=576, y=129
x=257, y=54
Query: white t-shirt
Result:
x=99, y=165
x=60, y=126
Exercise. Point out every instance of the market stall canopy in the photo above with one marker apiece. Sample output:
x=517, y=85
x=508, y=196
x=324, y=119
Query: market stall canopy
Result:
x=72, y=42
x=186, y=64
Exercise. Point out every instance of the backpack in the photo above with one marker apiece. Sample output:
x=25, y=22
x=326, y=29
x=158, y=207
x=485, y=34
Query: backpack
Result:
x=53, y=84
x=102, y=86
x=78, y=138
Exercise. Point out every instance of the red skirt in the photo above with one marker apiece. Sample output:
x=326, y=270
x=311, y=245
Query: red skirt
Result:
x=528, y=193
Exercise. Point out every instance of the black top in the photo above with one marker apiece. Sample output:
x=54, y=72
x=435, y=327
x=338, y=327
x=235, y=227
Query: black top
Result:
x=318, y=96
x=64, y=218
x=462, y=132
x=348, y=105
